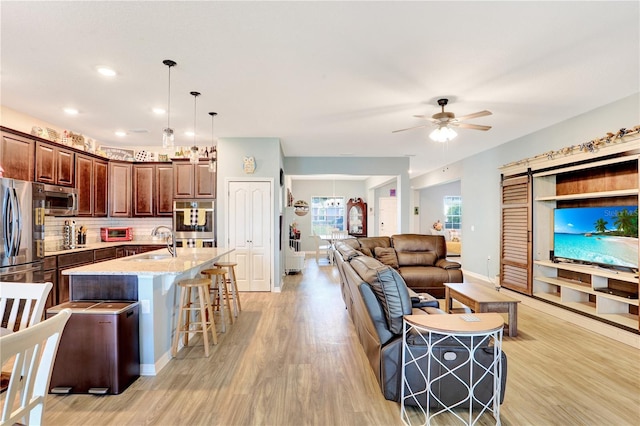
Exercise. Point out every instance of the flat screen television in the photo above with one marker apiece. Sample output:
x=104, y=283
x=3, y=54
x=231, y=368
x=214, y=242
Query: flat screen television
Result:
x=604, y=236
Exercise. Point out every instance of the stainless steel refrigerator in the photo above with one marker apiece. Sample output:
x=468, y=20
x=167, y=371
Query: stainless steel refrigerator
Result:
x=21, y=231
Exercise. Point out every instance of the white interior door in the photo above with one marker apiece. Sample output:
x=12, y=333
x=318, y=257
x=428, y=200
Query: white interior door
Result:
x=388, y=217
x=250, y=229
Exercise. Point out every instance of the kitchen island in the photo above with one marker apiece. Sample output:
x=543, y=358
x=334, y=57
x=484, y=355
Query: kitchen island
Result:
x=149, y=278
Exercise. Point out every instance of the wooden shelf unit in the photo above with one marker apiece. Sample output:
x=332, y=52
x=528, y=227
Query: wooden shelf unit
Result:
x=613, y=181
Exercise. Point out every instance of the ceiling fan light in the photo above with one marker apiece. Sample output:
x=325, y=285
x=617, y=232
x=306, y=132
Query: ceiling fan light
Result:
x=442, y=134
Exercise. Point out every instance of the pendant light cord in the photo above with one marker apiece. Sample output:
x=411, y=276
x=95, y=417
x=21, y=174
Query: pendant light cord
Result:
x=169, y=102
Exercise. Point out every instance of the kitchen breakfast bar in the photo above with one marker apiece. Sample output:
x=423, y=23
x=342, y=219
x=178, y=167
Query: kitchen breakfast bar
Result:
x=151, y=279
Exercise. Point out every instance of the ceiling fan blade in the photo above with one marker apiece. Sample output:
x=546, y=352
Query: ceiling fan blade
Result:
x=471, y=126
x=421, y=116
x=410, y=128
x=474, y=115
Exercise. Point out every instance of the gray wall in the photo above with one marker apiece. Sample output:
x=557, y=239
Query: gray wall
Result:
x=432, y=206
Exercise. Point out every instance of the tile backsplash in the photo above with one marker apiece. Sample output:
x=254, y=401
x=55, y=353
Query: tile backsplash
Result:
x=141, y=228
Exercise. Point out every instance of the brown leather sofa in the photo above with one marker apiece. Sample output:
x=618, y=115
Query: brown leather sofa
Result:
x=420, y=260
x=376, y=298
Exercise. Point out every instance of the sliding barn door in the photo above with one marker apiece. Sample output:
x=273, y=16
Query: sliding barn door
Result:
x=515, y=242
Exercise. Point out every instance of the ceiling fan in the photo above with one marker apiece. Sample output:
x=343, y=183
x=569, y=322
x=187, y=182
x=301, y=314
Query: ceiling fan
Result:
x=445, y=120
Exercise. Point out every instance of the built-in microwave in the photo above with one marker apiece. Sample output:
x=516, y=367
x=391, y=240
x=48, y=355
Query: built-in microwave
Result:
x=60, y=200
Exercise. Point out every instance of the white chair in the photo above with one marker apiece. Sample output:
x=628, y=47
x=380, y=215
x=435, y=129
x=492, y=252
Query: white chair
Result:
x=27, y=303
x=34, y=349
x=337, y=235
x=321, y=246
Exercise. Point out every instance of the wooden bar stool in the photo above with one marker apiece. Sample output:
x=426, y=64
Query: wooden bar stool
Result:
x=233, y=283
x=200, y=304
x=219, y=282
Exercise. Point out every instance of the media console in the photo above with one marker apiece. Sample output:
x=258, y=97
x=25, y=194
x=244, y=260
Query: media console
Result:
x=582, y=288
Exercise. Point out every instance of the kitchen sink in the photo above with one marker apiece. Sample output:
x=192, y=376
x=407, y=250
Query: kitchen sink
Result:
x=147, y=257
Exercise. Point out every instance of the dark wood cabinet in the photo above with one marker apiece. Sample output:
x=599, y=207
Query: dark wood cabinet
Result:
x=54, y=164
x=91, y=182
x=100, y=187
x=51, y=275
x=193, y=181
x=143, y=189
x=119, y=189
x=357, y=217
x=152, y=190
x=17, y=156
x=84, y=172
x=68, y=261
x=164, y=190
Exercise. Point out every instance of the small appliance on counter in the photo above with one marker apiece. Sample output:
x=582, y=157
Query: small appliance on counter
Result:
x=110, y=234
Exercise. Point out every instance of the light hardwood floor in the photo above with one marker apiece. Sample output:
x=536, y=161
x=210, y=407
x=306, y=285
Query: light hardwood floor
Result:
x=293, y=359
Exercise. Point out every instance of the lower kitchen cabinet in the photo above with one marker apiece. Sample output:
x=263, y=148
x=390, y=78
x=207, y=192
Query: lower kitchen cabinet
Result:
x=68, y=261
x=51, y=275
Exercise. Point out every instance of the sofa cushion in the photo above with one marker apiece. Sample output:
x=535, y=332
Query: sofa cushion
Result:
x=373, y=242
x=347, y=251
x=386, y=255
x=389, y=288
x=418, y=249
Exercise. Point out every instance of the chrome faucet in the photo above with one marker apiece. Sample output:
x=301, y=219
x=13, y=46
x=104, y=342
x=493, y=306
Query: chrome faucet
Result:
x=171, y=239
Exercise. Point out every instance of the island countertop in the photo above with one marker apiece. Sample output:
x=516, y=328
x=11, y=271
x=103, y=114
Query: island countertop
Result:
x=157, y=262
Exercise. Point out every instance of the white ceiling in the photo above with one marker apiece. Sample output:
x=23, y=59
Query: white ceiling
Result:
x=327, y=78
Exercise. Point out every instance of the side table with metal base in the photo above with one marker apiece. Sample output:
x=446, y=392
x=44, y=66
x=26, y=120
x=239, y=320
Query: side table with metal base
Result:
x=471, y=332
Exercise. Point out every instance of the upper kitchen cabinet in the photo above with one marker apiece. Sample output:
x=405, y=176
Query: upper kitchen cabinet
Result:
x=16, y=156
x=152, y=189
x=164, y=189
x=54, y=164
x=120, y=189
x=92, y=185
x=193, y=181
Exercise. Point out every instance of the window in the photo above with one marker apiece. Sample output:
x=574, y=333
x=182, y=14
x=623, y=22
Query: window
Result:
x=327, y=213
x=452, y=212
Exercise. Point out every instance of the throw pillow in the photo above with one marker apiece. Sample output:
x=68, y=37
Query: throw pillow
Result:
x=387, y=255
x=366, y=251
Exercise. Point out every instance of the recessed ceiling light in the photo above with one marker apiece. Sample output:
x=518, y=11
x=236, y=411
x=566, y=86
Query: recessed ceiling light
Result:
x=159, y=111
x=121, y=133
x=188, y=133
x=107, y=72
x=71, y=111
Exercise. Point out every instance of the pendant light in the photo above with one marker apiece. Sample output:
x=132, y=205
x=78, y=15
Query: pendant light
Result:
x=194, y=154
x=213, y=167
x=167, y=134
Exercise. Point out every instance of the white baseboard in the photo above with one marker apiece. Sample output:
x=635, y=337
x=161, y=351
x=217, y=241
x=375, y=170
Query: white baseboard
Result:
x=153, y=369
x=615, y=333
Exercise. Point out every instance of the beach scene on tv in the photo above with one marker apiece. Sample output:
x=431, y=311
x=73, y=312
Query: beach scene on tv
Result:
x=598, y=235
